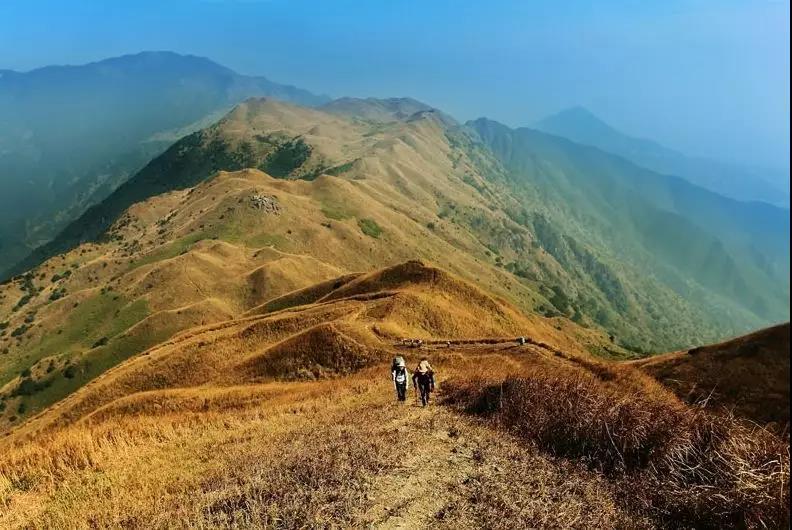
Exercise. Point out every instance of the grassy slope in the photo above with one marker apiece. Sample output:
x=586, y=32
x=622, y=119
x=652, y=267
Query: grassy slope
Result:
x=403, y=188
x=724, y=259
x=337, y=452
x=189, y=436
x=748, y=374
x=356, y=322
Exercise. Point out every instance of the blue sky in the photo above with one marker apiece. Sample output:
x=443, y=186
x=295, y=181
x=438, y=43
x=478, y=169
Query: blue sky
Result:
x=709, y=77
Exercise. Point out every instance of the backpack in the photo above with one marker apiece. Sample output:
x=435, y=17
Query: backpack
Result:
x=398, y=362
x=400, y=375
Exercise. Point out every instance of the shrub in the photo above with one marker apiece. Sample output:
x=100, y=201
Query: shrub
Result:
x=28, y=387
x=688, y=466
x=56, y=295
x=22, y=301
x=370, y=227
x=21, y=330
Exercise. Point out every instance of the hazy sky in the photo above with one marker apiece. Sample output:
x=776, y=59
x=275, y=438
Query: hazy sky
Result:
x=709, y=77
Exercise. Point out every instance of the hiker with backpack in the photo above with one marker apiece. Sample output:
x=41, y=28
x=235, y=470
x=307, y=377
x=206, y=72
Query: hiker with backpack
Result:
x=400, y=377
x=423, y=380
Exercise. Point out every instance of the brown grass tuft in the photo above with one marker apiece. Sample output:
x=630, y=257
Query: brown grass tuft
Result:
x=682, y=464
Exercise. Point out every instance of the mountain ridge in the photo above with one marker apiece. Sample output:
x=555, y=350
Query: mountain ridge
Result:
x=736, y=181
x=69, y=135
x=274, y=198
x=743, y=226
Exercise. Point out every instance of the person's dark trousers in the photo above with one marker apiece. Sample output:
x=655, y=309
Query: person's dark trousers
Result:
x=424, y=387
x=401, y=391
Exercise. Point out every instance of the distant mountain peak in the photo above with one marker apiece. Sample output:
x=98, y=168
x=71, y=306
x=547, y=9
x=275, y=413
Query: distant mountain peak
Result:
x=578, y=111
x=578, y=119
x=742, y=183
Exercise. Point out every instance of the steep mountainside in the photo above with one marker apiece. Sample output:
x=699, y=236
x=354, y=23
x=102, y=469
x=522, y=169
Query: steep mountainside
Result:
x=748, y=374
x=706, y=248
x=195, y=239
x=735, y=181
x=69, y=135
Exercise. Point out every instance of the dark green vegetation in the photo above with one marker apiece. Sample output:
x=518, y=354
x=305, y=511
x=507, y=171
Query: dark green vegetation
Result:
x=676, y=260
x=186, y=163
x=71, y=135
x=370, y=227
x=289, y=156
x=738, y=182
x=92, y=339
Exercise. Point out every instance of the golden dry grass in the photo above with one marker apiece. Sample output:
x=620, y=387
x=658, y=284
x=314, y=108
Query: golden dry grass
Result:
x=337, y=453
x=558, y=441
x=682, y=465
x=347, y=329
x=748, y=374
x=211, y=429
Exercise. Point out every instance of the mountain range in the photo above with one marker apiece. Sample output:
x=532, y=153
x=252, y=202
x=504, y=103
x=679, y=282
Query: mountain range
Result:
x=741, y=182
x=69, y=135
x=276, y=197
x=204, y=336
x=558, y=228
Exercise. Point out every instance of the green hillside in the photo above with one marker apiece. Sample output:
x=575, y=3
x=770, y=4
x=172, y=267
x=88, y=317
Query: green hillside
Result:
x=727, y=259
x=70, y=135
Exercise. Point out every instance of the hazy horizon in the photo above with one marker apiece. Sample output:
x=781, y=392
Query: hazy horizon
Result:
x=707, y=78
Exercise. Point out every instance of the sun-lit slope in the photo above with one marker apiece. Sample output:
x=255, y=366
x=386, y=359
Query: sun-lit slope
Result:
x=357, y=324
x=396, y=180
x=749, y=374
x=365, y=196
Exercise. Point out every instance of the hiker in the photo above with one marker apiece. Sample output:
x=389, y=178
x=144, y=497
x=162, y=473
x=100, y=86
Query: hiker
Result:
x=400, y=377
x=423, y=380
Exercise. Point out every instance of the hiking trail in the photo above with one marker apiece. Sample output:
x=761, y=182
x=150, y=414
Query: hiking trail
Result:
x=434, y=462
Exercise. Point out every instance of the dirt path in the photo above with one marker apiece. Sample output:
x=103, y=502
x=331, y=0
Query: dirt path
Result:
x=434, y=461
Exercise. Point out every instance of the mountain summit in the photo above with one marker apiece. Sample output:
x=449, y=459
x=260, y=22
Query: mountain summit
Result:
x=736, y=181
